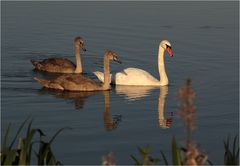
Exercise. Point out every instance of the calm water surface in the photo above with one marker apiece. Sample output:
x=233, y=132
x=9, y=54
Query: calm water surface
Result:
x=204, y=39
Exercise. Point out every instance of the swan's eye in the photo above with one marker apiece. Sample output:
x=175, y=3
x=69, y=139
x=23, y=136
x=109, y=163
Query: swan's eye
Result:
x=115, y=58
x=167, y=46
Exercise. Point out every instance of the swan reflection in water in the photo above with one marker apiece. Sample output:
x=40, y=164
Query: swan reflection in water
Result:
x=163, y=122
x=133, y=93
x=79, y=98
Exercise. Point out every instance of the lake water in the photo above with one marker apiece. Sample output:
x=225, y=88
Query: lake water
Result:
x=205, y=43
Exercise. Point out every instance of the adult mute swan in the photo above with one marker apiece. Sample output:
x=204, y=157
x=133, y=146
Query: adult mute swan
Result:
x=135, y=76
x=76, y=82
x=62, y=65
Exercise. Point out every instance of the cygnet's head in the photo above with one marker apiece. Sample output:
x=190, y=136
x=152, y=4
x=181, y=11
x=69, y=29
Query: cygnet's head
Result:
x=78, y=42
x=166, y=45
x=112, y=56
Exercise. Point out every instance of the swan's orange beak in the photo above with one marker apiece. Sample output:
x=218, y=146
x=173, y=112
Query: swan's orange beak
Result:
x=169, y=51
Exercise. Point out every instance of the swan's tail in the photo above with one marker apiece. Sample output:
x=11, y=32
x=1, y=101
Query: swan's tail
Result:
x=44, y=83
x=36, y=64
x=48, y=84
x=100, y=76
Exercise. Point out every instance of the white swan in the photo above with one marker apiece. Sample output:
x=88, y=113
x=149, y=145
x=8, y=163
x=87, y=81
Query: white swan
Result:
x=135, y=76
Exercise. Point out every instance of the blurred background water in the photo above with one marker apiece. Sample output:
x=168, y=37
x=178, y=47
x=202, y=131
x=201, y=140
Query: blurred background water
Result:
x=205, y=43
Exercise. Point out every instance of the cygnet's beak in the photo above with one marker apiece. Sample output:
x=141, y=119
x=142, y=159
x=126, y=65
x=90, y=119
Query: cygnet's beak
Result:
x=117, y=60
x=84, y=49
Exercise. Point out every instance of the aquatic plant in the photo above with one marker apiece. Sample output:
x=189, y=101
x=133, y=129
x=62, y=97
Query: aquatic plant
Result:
x=22, y=154
x=108, y=159
x=190, y=154
x=231, y=155
x=145, y=157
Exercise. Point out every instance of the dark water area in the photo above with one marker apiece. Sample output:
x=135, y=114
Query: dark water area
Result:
x=205, y=43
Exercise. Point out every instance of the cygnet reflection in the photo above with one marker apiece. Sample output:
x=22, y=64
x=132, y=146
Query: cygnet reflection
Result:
x=110, y=122
x=78, y=98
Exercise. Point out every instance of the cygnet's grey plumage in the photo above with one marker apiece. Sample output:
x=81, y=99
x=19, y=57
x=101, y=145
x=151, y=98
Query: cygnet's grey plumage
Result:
x=62, y=65
x=76, y=82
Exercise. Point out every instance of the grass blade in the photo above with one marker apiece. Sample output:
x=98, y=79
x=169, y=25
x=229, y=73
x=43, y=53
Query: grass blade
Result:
x=209, y=162
x=42, y=152
x=18, y=132
x=164, y=158
x=29, y=128
x=55, y=135
x=175, y=153
x=5, y=139
x=23, y=154
x=234, y=144
x=136, y=161
x=10, y=157
x=50, y=160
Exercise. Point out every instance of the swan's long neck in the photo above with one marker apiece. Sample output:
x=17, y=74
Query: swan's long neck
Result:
x=161, y=67
x=106, y=83
x=78, y=60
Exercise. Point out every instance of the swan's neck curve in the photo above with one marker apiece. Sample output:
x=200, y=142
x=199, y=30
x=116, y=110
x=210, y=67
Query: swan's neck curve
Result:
x=78, y=60
x=106, y=83
x=161, y=67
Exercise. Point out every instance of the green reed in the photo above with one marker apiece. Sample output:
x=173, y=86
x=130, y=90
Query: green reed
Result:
x=231, y=155
x=32, y=143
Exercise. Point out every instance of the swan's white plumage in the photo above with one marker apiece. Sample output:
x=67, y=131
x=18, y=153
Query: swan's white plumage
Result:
x=122, y=78
x=100, y=76
x=138, y=77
